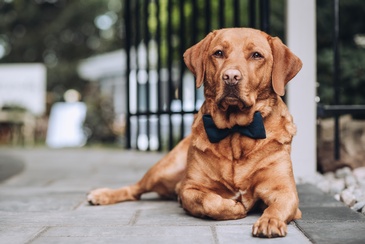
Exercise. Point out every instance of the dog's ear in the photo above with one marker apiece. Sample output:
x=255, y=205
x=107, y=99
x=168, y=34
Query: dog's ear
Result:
x=285, y=66
x=195, y=57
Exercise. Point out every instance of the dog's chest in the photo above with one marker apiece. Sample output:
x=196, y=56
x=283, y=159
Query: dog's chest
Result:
x=237, y=147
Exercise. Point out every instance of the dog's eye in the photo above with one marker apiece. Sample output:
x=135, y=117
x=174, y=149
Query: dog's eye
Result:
x=257, y=55
x=218, y=54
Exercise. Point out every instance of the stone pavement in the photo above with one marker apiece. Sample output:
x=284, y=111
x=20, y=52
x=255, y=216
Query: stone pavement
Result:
x=46, y=203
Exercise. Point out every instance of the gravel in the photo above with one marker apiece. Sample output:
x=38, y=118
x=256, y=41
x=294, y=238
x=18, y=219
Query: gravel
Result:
x=345, y=185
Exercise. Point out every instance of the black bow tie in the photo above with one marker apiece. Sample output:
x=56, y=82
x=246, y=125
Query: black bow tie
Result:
x=255, y=130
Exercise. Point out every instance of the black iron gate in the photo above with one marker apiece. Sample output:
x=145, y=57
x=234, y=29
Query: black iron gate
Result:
x=161, y=95
x=337, y=109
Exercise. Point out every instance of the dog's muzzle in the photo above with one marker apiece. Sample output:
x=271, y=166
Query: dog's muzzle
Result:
x=231, y=90
x=231, y=98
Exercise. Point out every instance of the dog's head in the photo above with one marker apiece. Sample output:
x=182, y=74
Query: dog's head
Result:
x=240, y=67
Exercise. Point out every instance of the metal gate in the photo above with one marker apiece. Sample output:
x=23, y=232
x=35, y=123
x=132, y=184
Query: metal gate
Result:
x=337, y=109
x=161, y=95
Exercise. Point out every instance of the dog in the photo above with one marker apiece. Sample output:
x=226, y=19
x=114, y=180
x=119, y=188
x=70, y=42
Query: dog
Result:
x=238, y=152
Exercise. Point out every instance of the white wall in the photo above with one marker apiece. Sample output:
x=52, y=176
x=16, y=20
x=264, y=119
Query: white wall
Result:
x=301, y=39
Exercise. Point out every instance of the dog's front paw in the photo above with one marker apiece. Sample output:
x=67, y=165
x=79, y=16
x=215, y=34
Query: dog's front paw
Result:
x=269, y=227
x=101, y=196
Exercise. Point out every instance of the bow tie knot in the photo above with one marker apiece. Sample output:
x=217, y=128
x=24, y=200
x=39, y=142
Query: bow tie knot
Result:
x=255, y=130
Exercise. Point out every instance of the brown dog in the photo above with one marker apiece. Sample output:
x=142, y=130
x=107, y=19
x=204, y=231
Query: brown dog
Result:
x=244, y=71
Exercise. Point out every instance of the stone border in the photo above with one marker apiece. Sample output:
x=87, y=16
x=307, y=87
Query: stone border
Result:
x=345, y=185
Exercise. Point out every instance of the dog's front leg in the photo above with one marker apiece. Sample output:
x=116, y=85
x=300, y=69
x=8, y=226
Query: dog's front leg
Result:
x=104, y=196
x=282, y=208
x=161, y=178
x=209, y=204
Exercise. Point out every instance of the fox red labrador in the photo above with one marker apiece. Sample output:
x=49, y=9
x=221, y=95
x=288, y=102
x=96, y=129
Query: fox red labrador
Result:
x=238, y=152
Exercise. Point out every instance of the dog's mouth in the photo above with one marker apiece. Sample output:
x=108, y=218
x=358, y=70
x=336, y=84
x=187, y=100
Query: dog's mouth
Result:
x=231, y=101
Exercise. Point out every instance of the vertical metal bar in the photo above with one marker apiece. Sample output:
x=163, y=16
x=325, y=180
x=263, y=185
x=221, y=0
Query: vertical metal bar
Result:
x=182, y=66
x=208, y=18
x=127, y=23
x=194, y=38
x=169, y=58
x=236, y=14
x=194, y=21
x=221, y=13
x=252, y=13
x=159, y=104
x=336, y=74
x=265, y=15
x=136, y=44
x=147, y=90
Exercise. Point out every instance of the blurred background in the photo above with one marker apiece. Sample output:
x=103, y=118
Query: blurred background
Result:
x=110, y=72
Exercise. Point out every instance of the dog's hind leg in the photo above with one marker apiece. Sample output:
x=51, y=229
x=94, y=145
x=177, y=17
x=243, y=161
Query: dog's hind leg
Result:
x=161, y=178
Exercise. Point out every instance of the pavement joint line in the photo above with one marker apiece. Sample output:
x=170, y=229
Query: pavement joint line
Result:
x=303, y=231
x=81, y=203
x=43, y=230
x=135, y=217
x=214, y=233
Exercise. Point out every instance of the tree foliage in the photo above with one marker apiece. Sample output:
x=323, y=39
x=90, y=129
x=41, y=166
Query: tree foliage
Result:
x=58, y=33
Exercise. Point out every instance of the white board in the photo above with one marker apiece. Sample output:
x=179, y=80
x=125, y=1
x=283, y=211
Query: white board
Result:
x=65, y=126
x=23, y=85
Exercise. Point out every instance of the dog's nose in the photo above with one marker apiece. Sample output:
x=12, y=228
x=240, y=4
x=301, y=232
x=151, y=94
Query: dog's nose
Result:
x=232, y=76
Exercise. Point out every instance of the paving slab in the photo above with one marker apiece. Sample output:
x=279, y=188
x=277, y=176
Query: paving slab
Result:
x=133, y=234
x=45, y=202
x=326, y=220
x=242, y=234
x=17, y=234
